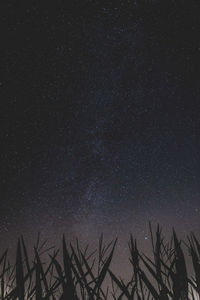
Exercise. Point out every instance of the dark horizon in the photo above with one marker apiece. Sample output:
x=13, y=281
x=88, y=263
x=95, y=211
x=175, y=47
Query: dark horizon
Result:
x=100, y=119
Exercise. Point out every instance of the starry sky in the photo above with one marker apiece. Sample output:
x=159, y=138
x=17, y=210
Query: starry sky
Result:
x=100, y=118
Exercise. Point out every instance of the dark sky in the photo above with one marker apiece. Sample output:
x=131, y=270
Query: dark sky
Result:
x=100, y=117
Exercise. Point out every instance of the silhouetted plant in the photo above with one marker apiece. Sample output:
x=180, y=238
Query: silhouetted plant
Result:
x=82, y=275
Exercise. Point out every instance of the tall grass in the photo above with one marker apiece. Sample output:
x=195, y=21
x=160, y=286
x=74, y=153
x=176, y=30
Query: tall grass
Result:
x=84, y=275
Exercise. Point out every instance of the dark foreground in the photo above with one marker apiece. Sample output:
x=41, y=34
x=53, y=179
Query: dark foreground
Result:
x=74, y=273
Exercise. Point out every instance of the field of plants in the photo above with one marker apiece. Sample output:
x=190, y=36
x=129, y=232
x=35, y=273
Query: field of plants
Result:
x=73, y=273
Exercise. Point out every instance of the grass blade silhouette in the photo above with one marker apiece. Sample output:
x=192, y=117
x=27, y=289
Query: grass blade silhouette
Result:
x=105, y=269
x=180, y=280
x=3, y=260
x=68, y=288
x=38, y=285
x=19, y=273
x=196, y=263
x=121, y=286
x=40, y=271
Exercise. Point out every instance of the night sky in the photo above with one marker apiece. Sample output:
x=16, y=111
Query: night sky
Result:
x=100, y=118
